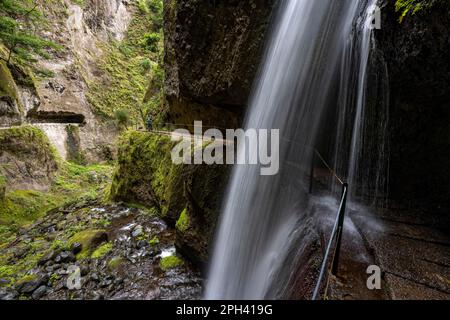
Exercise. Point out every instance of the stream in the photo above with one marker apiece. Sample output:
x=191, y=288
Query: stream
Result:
x=130, y=269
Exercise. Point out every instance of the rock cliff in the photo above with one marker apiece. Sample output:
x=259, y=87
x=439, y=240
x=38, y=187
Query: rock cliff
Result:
x=212, y=53
x=415, y=54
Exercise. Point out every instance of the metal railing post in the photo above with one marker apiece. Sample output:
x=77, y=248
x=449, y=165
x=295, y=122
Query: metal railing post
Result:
x=340, y=229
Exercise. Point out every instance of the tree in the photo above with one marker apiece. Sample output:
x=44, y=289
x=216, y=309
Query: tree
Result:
x=17, y=20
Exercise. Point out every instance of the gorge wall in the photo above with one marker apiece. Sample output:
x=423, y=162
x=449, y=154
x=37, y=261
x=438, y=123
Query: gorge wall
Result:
x=102, y=66
x=414, y=51
x=212, y=53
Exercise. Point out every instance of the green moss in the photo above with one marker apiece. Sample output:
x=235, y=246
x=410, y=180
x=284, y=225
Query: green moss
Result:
x=24, y=206
x=72, y=183
x=142, y=5
x=170, y=262
x=74, y=152
x=26, y=141
x=86, y=238
x=7, y=84
x=183, y=221
x=115, y=263
x=126, y=68
x=102, y=251
x=76, y=181
x=144, y=158
x=81, y=3
x=153, y=241
x=60, y=245
x=7, y=271
x=406, y=7
x=27, y=278
x=54, y=277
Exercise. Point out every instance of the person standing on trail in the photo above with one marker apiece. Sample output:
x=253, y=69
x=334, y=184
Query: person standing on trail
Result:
x=149, y=123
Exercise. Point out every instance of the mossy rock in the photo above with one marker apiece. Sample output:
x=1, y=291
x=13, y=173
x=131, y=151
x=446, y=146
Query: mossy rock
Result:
x=101, y=251
x=90, y=240
x=183, y=221
x=26, y=141
x=153, y=241
x=8, y=88
x=170, y=262
x=115, y=263
x=146, y=175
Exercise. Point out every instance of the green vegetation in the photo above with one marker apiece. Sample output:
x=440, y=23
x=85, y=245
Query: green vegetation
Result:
x=122, y=118
x=18, y=20
x=24, y=206
x=405, y=7
x=89, y=240
x=6, y=272
x=144, y=163
x=31, y=146
x=16, y=272
x=144, y=158
x=72, y=183
x=60, y=245
x=115, y=263
x=153, y=241
x=7, y=84
x=127, y=67
x=74, y=152
x=151, y=41
x=101, y=251
x=27, y=142
x=170, y=262
x=2, y=188
x=183, y=221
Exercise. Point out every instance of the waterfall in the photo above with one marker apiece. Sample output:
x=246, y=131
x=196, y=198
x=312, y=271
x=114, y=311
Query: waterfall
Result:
x=361, y=148
x=297, y=86
x=57, y=135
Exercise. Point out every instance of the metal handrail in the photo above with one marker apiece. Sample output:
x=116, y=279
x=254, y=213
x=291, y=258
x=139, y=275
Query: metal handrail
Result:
x=337, y=232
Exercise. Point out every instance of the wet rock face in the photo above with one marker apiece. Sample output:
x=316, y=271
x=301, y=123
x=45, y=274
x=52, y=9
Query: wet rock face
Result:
x=418, y=62
x=213, y=49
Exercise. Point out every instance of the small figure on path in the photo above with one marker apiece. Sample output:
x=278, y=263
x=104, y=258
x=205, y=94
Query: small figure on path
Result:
x=149, y=123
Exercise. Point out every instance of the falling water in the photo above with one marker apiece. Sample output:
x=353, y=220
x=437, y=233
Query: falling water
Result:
x=361, y=148
x=57, y=134
x=296, y=87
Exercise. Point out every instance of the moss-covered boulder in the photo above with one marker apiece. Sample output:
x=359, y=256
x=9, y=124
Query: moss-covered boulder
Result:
x=170, y=262
x=146, y=175
x=93, y=242
x=27, y=159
